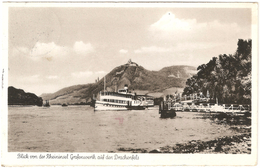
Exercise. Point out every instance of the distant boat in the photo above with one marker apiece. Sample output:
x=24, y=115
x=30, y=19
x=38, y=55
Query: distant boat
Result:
x=47, y=104
x=64, y=105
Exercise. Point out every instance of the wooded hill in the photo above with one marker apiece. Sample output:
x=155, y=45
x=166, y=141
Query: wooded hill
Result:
x=19, y=97
x=135, y=76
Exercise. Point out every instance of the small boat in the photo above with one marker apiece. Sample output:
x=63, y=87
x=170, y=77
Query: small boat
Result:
x=166, y=110
x=47, y=104
x=64, y=105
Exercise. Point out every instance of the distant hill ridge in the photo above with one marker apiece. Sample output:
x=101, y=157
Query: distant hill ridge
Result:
x=135, y=76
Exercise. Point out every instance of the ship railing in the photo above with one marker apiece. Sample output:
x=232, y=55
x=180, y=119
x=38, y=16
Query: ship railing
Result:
x=235, y=108
x=191, y=97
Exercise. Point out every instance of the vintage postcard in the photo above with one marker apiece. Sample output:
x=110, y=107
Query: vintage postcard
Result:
x=136, y=84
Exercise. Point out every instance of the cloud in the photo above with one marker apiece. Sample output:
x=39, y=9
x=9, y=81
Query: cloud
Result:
x=82, y=48
x=123, y=51
x=174, y=30
x=29, y=79
x=180, y=47
x=152, y=49
x=35, y=76
x=194, y=46
x=47, y=50
x=169, y=22
x=23, y=49
x=52, y=51
x=41, y=50
x=81, y=74
x=100, y=72
x=52, y=77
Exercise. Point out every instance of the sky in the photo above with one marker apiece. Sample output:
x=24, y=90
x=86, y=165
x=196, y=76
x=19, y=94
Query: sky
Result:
x=53, y=48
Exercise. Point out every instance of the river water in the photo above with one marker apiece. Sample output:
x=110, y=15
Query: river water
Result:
x=80, y=129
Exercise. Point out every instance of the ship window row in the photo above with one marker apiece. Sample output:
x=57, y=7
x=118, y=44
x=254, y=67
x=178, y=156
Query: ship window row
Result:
x=122, y=91
x=115, y=94
x=115, y=101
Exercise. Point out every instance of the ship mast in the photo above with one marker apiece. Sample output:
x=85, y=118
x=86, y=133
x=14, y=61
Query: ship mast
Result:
x=104, y=83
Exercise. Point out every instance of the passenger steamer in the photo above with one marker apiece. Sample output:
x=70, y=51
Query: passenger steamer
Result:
x=123, y=100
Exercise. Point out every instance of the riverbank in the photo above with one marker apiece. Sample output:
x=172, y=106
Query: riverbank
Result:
x=238, y=144
x=235, y=144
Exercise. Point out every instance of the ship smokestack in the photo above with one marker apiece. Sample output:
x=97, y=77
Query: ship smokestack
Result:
x=126, y=87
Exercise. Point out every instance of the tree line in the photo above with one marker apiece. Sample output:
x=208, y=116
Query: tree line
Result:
x=226, y=77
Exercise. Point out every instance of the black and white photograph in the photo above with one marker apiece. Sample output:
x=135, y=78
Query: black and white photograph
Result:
x=119, y=83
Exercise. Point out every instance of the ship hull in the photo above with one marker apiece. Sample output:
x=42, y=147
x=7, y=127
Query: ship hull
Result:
x=109, y=107
x=105, y=106
x=135, y=107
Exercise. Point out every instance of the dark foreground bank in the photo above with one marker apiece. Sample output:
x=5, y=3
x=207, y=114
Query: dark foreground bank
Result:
x=229, y=145
x=238, y=144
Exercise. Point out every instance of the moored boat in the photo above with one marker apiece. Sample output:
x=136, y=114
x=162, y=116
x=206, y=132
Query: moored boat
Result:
x=47, y=104
x=64, y=105
x=113, y=100
x=122, y=100
x=166, y=110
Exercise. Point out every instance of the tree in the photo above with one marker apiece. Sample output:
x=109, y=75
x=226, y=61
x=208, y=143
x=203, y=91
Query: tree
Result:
x=226, y=77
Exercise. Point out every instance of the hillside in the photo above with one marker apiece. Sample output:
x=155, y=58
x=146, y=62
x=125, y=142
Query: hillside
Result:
x=19, y=97
x=136, y=77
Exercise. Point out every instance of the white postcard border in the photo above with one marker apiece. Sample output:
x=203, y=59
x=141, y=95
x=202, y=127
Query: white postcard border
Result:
x=11, y=159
